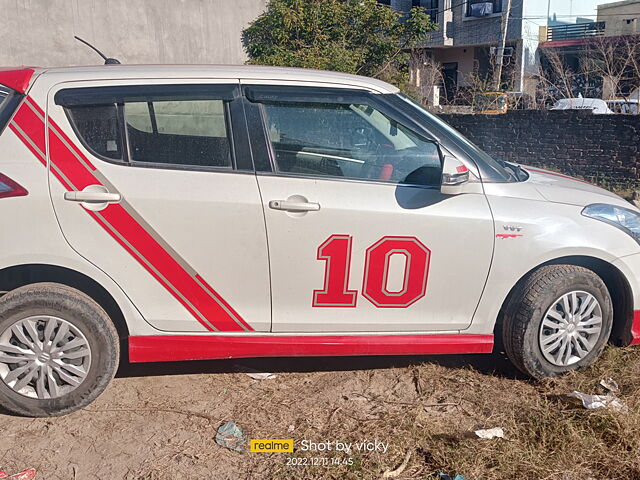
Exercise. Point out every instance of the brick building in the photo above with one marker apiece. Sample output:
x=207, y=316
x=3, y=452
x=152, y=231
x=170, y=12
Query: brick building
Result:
x=466, y=43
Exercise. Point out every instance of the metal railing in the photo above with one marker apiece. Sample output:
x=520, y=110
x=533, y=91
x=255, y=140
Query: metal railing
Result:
x=575, y=31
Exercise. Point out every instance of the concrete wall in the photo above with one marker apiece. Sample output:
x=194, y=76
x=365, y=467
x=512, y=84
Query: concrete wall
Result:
x=600, y=148
x=616, y=16
x=40, y=32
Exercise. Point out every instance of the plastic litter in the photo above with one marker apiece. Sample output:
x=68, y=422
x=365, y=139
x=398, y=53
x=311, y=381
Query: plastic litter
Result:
x=593, y=402
x=445, y=476
x=261, y=375
x=490, y=433
x=610, y=384
x=255, y=374
x=230, y=436
x=26, y=475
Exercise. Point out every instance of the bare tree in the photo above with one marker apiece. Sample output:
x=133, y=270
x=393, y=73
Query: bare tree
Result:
x=631, y=49
x=426, y=74
x=613, y=59
x=558, y=79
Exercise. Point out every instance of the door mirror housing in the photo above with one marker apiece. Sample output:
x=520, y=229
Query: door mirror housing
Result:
x=454, y=174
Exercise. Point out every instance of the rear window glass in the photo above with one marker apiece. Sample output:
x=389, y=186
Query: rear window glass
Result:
x=190, y=132
x=163, y=131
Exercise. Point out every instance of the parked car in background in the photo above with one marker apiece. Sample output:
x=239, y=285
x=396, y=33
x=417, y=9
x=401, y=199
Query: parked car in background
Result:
x=624, y=106
x=596, y=105
x=202, y=212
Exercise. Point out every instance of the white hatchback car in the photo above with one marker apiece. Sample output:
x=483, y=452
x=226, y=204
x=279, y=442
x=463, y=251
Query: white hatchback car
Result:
x=201, y=212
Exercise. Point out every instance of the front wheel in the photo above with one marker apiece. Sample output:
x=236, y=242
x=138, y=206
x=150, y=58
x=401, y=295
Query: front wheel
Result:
x=58, y=350
x=559, y=319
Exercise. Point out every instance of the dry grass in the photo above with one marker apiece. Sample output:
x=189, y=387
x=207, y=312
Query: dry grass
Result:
x=547, y=438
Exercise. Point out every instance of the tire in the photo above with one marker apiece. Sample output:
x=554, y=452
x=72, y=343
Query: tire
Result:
x=537, y=307
x=71, y=372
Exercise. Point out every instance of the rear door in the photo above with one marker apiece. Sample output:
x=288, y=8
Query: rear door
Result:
x=153, y=183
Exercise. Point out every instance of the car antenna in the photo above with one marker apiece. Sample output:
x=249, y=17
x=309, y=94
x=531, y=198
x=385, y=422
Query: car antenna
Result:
x=107, y=61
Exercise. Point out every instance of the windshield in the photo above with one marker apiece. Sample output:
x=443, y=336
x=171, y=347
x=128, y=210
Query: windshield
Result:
x=495, y=170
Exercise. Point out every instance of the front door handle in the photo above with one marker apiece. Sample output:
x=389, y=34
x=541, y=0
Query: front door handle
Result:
x=294, y=206
x=92, y=197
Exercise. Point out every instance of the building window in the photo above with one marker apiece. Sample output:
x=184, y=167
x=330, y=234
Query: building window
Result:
x=430, y=6
x=482, y=8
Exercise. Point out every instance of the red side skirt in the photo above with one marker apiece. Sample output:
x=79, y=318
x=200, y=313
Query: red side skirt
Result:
x=165, y=348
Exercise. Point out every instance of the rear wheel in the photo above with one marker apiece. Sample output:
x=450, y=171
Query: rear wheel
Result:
x=559, y=319
x=58, y=350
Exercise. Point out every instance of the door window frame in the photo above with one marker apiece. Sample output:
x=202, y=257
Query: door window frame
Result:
x=229, y=93
x=263, y=154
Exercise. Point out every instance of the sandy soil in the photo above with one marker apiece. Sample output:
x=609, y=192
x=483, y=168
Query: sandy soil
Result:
x=159, y=421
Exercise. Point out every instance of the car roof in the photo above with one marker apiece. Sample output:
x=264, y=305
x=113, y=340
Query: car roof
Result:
x=244, y=72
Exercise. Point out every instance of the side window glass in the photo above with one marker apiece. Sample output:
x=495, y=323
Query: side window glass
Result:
x=176, y=125
x=349, y=141
x=97, y=126
x=189, y=132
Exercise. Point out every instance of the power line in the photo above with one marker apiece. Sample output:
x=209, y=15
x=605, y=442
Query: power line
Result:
x=578, y=15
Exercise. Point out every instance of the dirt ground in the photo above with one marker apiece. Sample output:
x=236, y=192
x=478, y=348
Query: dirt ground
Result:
x=159, y=421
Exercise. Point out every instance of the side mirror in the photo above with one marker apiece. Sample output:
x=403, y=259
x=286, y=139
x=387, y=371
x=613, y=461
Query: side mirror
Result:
x=454, y=174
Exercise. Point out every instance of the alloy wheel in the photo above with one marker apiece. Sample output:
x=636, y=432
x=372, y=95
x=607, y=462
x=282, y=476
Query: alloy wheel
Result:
x=43, y=357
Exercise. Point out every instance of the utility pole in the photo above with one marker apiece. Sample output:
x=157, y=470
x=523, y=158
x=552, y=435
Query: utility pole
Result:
x=503, y=40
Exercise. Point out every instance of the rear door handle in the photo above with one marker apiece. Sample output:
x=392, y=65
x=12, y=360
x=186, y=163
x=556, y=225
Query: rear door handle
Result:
x=294, y=206
x=92, y=197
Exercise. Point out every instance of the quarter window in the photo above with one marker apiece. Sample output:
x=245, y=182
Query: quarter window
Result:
x=99, y=129
x=355, y=141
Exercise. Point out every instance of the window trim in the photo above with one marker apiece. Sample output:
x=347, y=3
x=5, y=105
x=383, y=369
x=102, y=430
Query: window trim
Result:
x=368, y=181
x=286, y=94
x=108, y=94
x=67, y=98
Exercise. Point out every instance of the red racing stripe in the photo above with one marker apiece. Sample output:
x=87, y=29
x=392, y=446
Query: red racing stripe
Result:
x=69, y=164
x=31, y=125
x=223, y=302
x=37, y=154
x=202, y=301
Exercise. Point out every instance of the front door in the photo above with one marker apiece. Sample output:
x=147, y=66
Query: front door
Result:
x=153, y=184
x=360, y=237
x=450, y=76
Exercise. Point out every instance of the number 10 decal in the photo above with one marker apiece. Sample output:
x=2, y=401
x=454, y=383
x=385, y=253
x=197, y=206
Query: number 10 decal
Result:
x=336, y=252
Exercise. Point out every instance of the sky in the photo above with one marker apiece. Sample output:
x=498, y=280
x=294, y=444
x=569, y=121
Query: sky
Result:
x=568, y=10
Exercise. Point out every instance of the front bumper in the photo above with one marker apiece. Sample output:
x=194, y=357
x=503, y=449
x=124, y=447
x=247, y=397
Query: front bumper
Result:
x=630, y=268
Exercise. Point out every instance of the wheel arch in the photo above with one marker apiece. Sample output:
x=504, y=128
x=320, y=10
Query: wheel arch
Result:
x=617, y=285
x=26, y=274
